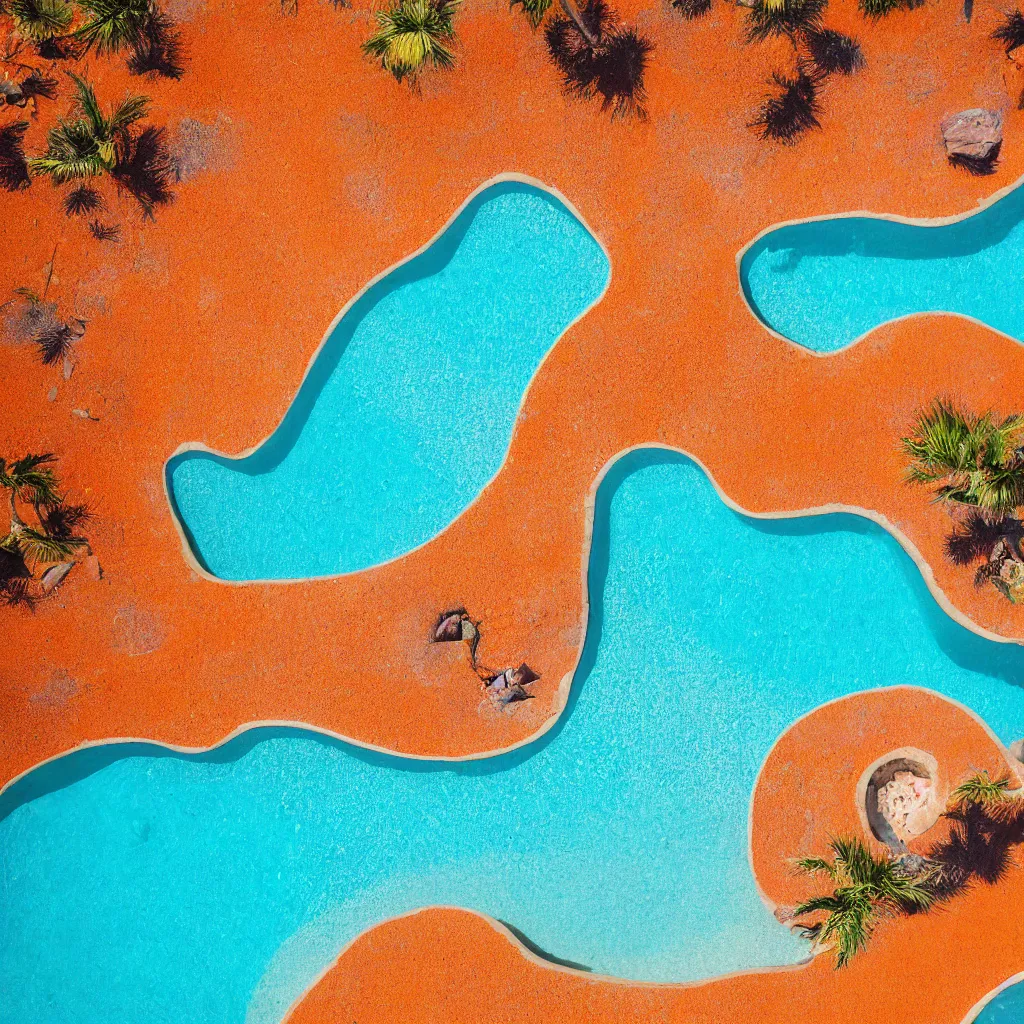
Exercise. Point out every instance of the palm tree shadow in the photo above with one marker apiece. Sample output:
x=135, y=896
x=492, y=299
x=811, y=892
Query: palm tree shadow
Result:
x=978, y=848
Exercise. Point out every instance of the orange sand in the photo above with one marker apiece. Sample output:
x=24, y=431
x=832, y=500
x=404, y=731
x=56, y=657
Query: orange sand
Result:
x=202, y=325
x=451, y=965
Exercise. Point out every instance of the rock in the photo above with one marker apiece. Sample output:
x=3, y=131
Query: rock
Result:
x=69, y=367
x=93, y=568
x=54, y=576
x=1017, y=749
x=973, y=134
x=448, y=627
x=10, y=93
x=906, y=794
x=51, y=395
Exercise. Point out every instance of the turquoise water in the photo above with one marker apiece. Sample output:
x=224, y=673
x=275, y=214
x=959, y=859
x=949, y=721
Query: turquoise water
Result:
x=826, y=283
x=215, y=887
x=408, y=409
x=1006, y=1008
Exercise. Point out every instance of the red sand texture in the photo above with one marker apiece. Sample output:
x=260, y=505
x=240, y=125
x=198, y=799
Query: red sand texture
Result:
x=327, y=172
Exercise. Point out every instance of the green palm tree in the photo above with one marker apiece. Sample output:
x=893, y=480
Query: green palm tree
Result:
x=974, y=460
x=533, y=9
x=38, y=21
x=91, y=144
x=29, y=479
x=114, y=24
x=981, y=790
x=866, y=888
x=413, y=34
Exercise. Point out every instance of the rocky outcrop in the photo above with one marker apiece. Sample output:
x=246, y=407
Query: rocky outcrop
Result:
x=973, y=135
x=902, y=801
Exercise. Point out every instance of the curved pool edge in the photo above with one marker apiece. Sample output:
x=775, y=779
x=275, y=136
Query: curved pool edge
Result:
x=192, y=559
x=979, y=1007
x=534, y=958
x=919, y=222
x=563, y=690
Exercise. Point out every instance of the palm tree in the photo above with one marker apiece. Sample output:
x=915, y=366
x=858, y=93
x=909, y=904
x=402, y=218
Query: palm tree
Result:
x=866, y=888
x=92, y=144
x=880, y=8
x=599, y=57
x=31, y=480
x=114, y=24
x=980, y=789
x=976, y=461
x=533, y=9
x=38, y=21
x=413, y=34
x=790, y=18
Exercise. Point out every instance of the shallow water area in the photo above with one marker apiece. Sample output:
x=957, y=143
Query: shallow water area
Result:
x=215, y=887
x=408, y=409
x=826, y=283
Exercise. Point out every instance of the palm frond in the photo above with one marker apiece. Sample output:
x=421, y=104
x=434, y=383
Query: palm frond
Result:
x=980, y=788
x=866, y=888
x=85, y=99
x=767, y=18
x=40, y=20
x=113, y=24
x=816, y=865
x=44, y=549
x=533, y=9
x=127, y=112
x=412, y=35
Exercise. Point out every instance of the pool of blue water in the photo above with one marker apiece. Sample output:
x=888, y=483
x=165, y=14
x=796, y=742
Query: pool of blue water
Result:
x=408, y=409
x=1005, y=1008
x=823, y=284
x=215, y=887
